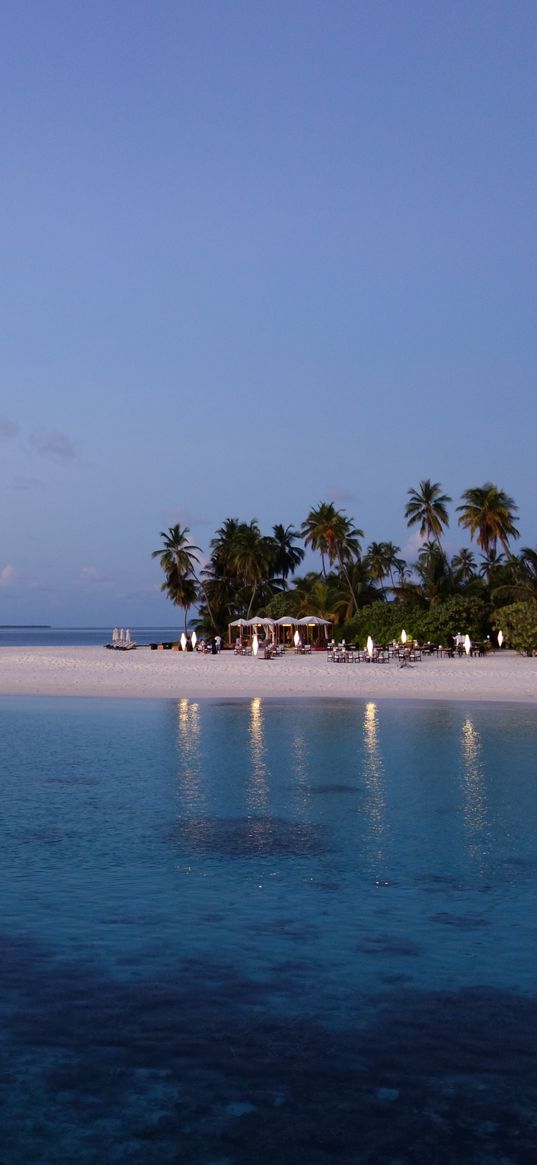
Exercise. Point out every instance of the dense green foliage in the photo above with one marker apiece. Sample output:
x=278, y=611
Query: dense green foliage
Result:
x=518, y=621
x=373, y=593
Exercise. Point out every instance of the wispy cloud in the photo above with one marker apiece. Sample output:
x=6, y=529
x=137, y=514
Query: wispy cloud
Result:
x=24, y=484
x=54, y=444
x=6, y=575
x=8, y=428
x=90, y=574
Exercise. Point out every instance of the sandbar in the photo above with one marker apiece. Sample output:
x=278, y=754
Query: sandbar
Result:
x=142, y=673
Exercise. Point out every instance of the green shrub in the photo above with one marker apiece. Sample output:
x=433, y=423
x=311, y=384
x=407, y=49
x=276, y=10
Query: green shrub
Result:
x=518, y=622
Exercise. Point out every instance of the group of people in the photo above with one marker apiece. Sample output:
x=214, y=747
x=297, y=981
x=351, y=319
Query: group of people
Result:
x=210, y=646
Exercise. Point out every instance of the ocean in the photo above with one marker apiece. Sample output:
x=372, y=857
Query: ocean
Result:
x=263, y=930
x=81, y=636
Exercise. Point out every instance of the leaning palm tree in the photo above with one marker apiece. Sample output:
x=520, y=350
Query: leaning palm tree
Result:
x=489, y=513
x=428, y=509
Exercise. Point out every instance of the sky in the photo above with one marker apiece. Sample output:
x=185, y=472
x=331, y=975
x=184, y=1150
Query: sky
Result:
x=256, y=255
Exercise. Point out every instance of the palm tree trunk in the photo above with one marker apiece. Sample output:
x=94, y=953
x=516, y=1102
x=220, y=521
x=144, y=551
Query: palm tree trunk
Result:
x=250, y=604
x=202, y=585
x=349, y=584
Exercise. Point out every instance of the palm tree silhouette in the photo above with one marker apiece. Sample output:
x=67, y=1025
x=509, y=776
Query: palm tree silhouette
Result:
x=428, y=507
x=489, y=513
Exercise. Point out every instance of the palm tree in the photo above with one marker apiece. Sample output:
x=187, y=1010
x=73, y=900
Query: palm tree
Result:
x=376, y=562
x=178, y=558
x=286, y=556
x=518, y=580
x=317, y=596
x=251, y=558
x=427, y=506
x=489, y=513
x=435, y=577
x=464, y=565
x=382, y=559
x=318, y=530
x=177, y=553
x=181, y=590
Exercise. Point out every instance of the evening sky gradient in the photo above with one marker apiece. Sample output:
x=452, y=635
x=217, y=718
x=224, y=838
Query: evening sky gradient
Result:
x=256, y=256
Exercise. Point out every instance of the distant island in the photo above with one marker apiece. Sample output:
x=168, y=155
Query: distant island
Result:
x=25, y=627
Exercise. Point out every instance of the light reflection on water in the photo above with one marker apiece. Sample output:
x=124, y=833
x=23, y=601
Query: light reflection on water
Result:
x=475, y=808
x=429, y=802
x=193, y=793
x=258, y=785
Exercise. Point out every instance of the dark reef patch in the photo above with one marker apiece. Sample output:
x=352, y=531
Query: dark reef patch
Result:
x=195, y=1068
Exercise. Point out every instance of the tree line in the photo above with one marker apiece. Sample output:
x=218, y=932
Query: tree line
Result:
x=249, y=572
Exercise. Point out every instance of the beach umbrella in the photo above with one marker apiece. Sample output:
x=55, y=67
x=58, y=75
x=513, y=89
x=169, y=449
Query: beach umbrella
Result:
x=193, y=640
x=500, y=638
x=403, y=636
x=183, y=641
x=467, y=644
x=255, y=644
x=369, y=646
x=296, y=638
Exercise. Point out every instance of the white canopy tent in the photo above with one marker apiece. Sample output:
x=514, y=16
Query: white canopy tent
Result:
x=290, y=621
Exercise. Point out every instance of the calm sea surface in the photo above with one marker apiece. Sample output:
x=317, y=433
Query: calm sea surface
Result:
x=251, y=931
x=80, y=636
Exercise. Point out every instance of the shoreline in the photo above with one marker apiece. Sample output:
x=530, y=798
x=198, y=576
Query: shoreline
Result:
x=94, y=672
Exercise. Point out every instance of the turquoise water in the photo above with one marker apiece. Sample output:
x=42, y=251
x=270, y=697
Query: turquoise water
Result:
x=246, y=931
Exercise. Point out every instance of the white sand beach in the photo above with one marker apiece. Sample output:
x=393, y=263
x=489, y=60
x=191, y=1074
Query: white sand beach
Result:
x=94, y=671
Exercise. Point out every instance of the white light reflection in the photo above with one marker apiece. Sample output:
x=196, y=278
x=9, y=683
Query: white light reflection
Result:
x=475, y=809
x=188, y=739
x=375, y=801
x=258, y=790
x=299, y=757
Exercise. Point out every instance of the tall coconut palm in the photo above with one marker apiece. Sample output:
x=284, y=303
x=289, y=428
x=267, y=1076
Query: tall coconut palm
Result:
x=177, y=552
x=318, y=530
x=222, y=546
x=428, y=509
x=178, y=559
x=251, y=558
x=287, y=556
x=376, y=563
x=182, y=591
x=489, y=513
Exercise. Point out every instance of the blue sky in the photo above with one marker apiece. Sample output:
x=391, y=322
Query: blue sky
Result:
x=255, y=256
